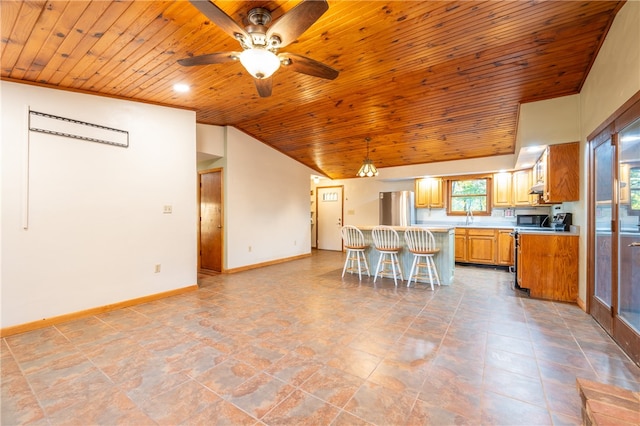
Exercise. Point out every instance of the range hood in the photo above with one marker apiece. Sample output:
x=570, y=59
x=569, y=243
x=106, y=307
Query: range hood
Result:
x=538, y=188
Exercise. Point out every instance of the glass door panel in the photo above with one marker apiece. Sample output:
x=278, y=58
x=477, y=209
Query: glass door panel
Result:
x=629, y=229
x=603, y=210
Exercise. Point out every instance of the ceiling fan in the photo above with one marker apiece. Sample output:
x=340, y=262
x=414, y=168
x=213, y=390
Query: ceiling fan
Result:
x=260, y=42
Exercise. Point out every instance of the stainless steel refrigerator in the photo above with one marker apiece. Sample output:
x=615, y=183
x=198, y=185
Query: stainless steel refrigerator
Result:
x=397, y=208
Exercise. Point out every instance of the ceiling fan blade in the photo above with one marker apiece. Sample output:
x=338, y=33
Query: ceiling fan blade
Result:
x=221, y=19
x=264, y=86
x=293, y=23
x=304, y=65
x=211, y=58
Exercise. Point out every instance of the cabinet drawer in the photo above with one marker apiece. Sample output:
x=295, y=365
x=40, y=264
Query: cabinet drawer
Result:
x=483, y=232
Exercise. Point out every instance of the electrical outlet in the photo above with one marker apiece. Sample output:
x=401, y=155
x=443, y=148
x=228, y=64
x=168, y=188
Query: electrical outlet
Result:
x=249, y=249
x=157, y=268
x=167, y=209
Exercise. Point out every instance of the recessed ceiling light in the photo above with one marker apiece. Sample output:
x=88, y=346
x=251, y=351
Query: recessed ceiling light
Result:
x=181, y=87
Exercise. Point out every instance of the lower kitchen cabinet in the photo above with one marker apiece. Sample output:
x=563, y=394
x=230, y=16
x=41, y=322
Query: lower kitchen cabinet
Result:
x=481, y=246
x=461, y=245
x=548, y=266
x=485, y=246
x=505, y=247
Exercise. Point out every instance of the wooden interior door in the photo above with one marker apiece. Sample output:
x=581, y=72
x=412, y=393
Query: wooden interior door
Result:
x=211, y=220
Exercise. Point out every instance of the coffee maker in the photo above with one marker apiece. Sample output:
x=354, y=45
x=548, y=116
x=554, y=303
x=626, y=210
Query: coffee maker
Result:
x=561, y=222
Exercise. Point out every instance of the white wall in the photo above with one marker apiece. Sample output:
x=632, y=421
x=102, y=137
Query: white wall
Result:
x=96, y=227
x=209, y=142
x=448, y=168
x=613, y=79
x=266, y=203
x=549, y=122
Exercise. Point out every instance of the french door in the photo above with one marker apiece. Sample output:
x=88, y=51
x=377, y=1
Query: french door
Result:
x=614, y=224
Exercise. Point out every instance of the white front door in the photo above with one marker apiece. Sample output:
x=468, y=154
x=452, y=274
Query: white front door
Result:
x=329, y=202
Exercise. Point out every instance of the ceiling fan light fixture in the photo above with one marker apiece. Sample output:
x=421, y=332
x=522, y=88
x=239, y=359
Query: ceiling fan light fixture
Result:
x=259, y=62
x=367, y=169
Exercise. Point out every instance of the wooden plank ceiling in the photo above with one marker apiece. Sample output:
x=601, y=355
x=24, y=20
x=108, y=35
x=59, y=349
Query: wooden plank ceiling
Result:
x=427, y=81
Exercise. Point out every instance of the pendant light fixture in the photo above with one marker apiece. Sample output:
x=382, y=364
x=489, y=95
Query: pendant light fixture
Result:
x=367, y=169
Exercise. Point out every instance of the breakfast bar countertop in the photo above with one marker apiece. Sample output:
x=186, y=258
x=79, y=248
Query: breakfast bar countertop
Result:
x=437, y=228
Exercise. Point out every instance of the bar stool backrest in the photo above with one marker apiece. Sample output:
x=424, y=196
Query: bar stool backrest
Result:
x=385, y=238
x=419, y=240
x=352, y=237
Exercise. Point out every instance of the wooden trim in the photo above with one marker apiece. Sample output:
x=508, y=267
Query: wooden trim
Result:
x=46, y=322
x=467, y=177
x=215, y=169
x=581, y=304
x=269, y=263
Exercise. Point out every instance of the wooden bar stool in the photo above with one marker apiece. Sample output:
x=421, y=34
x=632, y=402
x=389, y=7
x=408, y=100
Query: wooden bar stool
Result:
x=355, y=245
x=422, y=244
x=387, y=242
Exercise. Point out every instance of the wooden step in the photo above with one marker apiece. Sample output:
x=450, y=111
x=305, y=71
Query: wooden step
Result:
x=604, y=404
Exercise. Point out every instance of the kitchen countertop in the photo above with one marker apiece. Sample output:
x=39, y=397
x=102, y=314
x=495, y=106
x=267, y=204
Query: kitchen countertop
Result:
x=471, y=225
x=556, y=233
x=447, y=227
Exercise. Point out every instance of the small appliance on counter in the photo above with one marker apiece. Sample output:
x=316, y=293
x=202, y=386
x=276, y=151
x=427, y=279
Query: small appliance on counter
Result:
x=562, y=222
x=532, y=221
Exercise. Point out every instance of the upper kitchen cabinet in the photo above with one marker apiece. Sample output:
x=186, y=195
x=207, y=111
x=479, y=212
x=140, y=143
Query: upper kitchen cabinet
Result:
x=522, y=181
x=559, y=171
x=429, y=193
x=512, y=189
x=502, y=195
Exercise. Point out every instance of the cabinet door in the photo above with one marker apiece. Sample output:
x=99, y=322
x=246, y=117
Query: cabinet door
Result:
x=521, y=186
x=501, y=196
x=519, y=268
x=561, y=172
x=437, y=194
x=549, y=266
x=461, y=245
x=429, y=193
x=481, y=246
x=423, y=193
x=505, y=247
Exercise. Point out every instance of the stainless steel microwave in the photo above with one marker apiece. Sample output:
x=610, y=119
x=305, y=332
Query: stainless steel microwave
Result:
x=532, y=220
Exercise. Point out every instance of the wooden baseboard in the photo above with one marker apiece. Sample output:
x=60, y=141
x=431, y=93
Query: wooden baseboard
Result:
x=581, y=304
x=260, y=265
x=46, y=322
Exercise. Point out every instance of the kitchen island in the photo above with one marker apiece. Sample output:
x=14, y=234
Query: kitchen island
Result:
x=445, y=259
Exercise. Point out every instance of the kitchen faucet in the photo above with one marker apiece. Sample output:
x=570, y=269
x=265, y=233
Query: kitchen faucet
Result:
x=469, y=215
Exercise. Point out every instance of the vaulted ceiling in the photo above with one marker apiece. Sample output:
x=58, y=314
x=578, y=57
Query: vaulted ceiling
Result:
x=426, y=81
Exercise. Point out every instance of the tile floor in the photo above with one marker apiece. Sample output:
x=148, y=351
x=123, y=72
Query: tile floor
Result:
x=295, y=344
